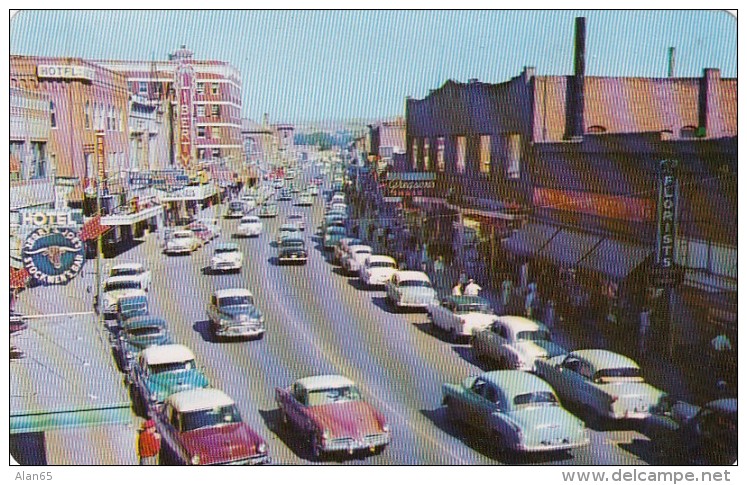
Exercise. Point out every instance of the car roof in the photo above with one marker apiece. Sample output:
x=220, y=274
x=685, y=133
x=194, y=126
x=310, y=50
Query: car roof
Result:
x=295, y=215
x=164, y=354
x=145, y=321
x=412, y=275
x=227, y=245
x=357, y=247
x=232, y=292
x=182, y=231
x=324, y=382
x=515, y=382
x=116, y=279
x=127, y=266
x=521, y=324
x=198, y=399
x=604, y=359
x=381, y=258
x=467, y=300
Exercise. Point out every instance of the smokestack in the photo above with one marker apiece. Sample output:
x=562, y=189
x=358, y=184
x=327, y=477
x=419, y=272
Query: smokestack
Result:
x=671, y=62
x=579, y=71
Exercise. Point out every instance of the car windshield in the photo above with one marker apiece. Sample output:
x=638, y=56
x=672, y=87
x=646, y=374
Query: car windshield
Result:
x=124, y=272
x=122, y=285
x=363, y=251
x=226, y=250
x=145, y=331
x=207, y=418
x=534, y=398
x=416, y=283
x=336, y=230
x=381, y=264
x=182, y=235
x=235, y=206
x=615, y=373
x=320, y=397
x=474, y=308
x=236, y=301
x=172, y=366
x=533, y=335
x=293, y=243
x=249, y=220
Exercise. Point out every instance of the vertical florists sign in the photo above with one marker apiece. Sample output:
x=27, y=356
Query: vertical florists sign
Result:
x=186, y=79
x=666, y=214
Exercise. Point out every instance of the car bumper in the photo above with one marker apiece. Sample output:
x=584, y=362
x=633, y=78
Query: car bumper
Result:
x=351, y=445
x=225, y=266
x=177, y=250
x=551, y=446
x=250, y=232
x=239, y=331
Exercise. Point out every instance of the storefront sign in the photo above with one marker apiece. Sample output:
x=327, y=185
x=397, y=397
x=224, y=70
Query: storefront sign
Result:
x=53, y=256
x=101, y=158
x=666, y=214
x=600, y=205
x=186, y=76
x=410, y=184
x=65, y=72
x=49, y=218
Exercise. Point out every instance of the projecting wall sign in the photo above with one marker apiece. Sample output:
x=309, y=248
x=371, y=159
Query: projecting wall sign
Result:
x=53, y=256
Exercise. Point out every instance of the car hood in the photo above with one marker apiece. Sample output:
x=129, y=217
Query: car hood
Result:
x=136, y=344
x=166, y=383
x=381, y=271
x=545, y=416
x=222, y=444
x=117, y=294
x=417, y=291
x=348, y=419
x=632, y=389
x=539, y=349
x=179, y=242
x=226, y=257
x=236, y=313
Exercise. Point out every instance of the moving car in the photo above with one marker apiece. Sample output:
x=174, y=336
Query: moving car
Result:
x=515, y=343
x=519, y=411
x=235, y=210
x=298, y=220
x=352, y=262
x=287, y=230
x=410, y=289
x=249, y=226
x=313, y=190
x=461, y=316
x=204, y=427
x=292, y=249
x=181, y=242
x=213, y=224
x=601, y=383
x=329, y=410
x=118, y=287
x=278, y=183
x=226, y=257
x=377, y=270
x=304, y=200
x=162, y=370
x=331, y=220
x=133, y=270
x=202, y=231
x=250, y=201
x=138, y=333
x=232, y=313
x=285, y=194
x=268, y=209
x=332, y=235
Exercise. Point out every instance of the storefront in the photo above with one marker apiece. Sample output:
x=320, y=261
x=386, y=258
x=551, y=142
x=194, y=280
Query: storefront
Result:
x=182, y=204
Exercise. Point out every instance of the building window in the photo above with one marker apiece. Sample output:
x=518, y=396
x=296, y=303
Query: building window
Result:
x=201, y=153
x=215, y=110
x=215, y=132
x=214, y=88
x=87, y=115
x=440, y=160
x=143, y=87
x=201, y=131
x=52, y=115
x=461, y=161
x=485, y=154
x=414, y=154
x=216, y=152
x=109, y=126
x=426, y=155
x=513, y=160
x=89, y=164
x=200, y=88
x=201, y=110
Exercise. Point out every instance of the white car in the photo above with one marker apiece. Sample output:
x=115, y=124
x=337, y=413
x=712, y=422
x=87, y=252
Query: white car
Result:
x=118, y=287
x=133, y=270
x=288, y=230
x=181, y=242
x=250, y=201
x=410, y=289
x=212, y=223
x=226, y=257
x=298, y=220
x=250, y=226
x=460, y=316
x=353, y=261
x=377, y=269
x=313, y=190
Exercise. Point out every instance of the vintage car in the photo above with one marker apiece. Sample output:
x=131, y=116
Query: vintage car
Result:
x=278, y=183
x=162, y=370
x=602, y=384
x=226, y=257
x=461, y=316
x=203, y=231
x=233, y=313
x=519, y=411
x=342, y=247
x=332, y=235
x=410, y=289
x=298, y=220
x=213, y=224
x=268, y=209
x=304, y=200
x=235, y=210
x=118, y=287
x=130, y=307
x=313, y=190
x=285, y=194
x=685, y=434
x=287, y=230
x=204, y=427
x=332, y=220
x=515, y=342
x=138, y=333
x=331, y=413
x=133, y=270
x=249, y=200
x=353, y=260
x=182, y=241
x=250, y=226
x=292, y=249
x=377, y=270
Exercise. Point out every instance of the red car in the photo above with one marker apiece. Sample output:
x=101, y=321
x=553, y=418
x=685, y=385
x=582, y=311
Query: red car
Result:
x=202, y=231
x=330, y=411
x=204, y=427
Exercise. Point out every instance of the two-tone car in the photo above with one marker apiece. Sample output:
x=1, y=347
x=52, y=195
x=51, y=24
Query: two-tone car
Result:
x=226, y=257
x=461, y=316
x=330, y=412
x=292, y=249
x=332, y=236
x=250, y=226
x=517, y=410
x=351, y=263
x=515, y=342
x=204, y=427
x=286, y=230
x=410, y=290
x=343, y=246
x=297, y=219
x=285, y=194
x=118, y=287
x=234, y=210
x=268, y=209
x=162, y=370
x=232, y=313
x=133, y=270
x=377, y=270
x=182, y=242
x=130, y=307
x=138, y=333
x=601, y=384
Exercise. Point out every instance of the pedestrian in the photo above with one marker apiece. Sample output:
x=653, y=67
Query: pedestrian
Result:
x=531, y=300
x=457, y=290
x=550, y=314
x=438, y=270
x=472, y=288
x=507, y=288
x=149, y=443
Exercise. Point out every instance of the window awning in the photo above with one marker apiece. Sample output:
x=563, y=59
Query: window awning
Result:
x=528, y=240
x=568, y=247
x=129, y=219
x=614, y=258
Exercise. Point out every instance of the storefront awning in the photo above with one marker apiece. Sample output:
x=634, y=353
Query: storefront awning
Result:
x=528, y=240
x=129, y=219
x=568, y=247
x=614, y=258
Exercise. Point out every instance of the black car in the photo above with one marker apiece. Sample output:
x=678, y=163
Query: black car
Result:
x=292, y=250
x=138, y=333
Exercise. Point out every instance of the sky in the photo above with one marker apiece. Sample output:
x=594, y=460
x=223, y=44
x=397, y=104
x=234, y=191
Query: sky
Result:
x=309, y=65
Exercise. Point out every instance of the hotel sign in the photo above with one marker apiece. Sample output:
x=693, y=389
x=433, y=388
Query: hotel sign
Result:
x=65, y=72
x=186, y=78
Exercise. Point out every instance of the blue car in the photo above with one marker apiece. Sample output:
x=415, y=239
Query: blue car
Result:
x=138, y=333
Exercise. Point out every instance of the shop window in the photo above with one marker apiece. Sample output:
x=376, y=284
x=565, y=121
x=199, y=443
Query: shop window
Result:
x=485, y=154
x=52, y=115
x=426, y=155
x=461, y=161
x=440, y=160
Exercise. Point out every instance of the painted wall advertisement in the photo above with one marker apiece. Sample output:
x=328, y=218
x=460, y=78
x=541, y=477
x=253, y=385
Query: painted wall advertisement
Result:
x=186, y=77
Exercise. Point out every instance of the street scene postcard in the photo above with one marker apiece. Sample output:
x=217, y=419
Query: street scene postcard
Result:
x=375, y=237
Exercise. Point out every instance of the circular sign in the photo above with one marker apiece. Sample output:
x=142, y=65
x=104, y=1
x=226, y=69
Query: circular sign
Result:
x=54, y=255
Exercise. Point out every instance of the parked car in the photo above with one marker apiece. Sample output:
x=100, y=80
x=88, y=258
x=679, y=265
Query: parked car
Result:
x=685, y=434
x=602, y=384
x=268, y=209
x=250, y=201
x=234, y=210
x=298, y=219
x=377, y=270
x=233, y=313
x=287, y=230
x=352, y=262
x=278, y=183
x=519, y=411
x=329, y=410
x=285, y=194
x=226, y=257
x=410, y=289
x=182, y=241
x=333, y=220
x=332, y=235
x=117, y=287
x=515, y=343
x=162, y=370
x=249, y=226
x=137, y=333
x=202, y=231
x=461, y=316
x=131, y=306
x=213, y=224
x=342, y=248
x=313, y=190
x=304, y=200
x=204, y=427
x=292, y=249
x=134, y=270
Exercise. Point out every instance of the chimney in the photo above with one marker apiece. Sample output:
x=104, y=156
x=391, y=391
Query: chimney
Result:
x=528, y=73
x=579, y=71
x=472, y=81
x=671, y=62
x=710, y=116
x=266, y=119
